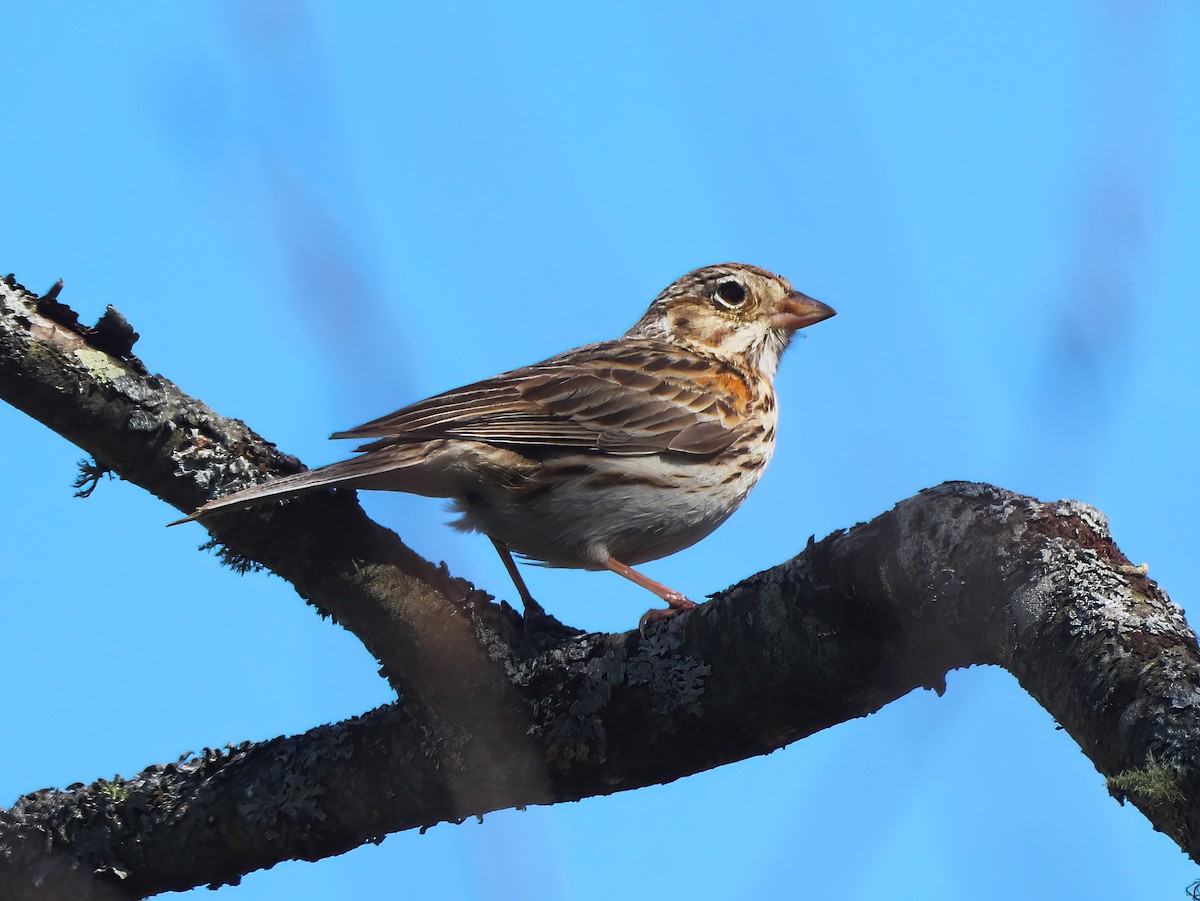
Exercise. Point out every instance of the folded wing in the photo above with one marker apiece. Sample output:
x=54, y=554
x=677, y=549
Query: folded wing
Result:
x=643, y=398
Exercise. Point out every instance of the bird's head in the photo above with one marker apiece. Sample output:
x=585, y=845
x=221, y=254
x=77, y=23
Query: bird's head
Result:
x=735, y=310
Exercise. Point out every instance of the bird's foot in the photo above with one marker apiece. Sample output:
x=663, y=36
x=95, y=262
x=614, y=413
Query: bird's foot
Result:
x=535, y=618
x=676, y=601
x=678, y=604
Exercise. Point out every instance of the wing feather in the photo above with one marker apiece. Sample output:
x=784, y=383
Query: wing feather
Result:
x=627, y=397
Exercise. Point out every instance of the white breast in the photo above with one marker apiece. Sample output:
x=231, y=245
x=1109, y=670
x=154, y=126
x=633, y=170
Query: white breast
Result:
x=584, y=508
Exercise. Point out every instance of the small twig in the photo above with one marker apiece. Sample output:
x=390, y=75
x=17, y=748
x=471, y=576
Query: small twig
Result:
x=90, y=473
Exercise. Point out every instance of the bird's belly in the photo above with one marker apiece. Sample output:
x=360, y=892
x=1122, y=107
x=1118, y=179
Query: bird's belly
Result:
x=584, y=509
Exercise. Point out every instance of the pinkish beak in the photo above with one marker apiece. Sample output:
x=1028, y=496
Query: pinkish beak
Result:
x=797, y=311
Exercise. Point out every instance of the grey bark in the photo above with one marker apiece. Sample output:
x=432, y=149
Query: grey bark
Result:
x=489, y=717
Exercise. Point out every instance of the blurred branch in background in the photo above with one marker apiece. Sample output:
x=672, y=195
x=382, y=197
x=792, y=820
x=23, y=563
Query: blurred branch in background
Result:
x=1100, y=306
x=264, y=145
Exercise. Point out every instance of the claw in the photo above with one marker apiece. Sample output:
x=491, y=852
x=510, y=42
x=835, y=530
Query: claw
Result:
x=658, y=614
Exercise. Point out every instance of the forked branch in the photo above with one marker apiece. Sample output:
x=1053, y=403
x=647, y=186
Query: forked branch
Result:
x=489, y=717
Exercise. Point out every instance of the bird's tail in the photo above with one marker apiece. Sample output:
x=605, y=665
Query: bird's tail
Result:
x=347, y=473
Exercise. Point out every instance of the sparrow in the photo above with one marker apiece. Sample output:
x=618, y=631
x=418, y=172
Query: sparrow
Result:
x=602, y=457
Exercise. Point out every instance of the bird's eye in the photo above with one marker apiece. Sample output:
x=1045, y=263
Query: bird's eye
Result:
x=730, y=295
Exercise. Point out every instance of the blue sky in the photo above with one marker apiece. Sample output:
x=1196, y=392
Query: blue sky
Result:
x=315, y=213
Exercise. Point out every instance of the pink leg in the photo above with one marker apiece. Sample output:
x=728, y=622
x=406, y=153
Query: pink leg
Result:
x=675, y=601
x=532, y=607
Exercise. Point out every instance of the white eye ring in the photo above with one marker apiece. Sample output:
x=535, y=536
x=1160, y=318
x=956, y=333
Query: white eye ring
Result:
x=729, y=294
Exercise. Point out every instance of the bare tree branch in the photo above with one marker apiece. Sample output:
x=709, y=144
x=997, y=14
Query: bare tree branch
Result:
x=958, y=575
